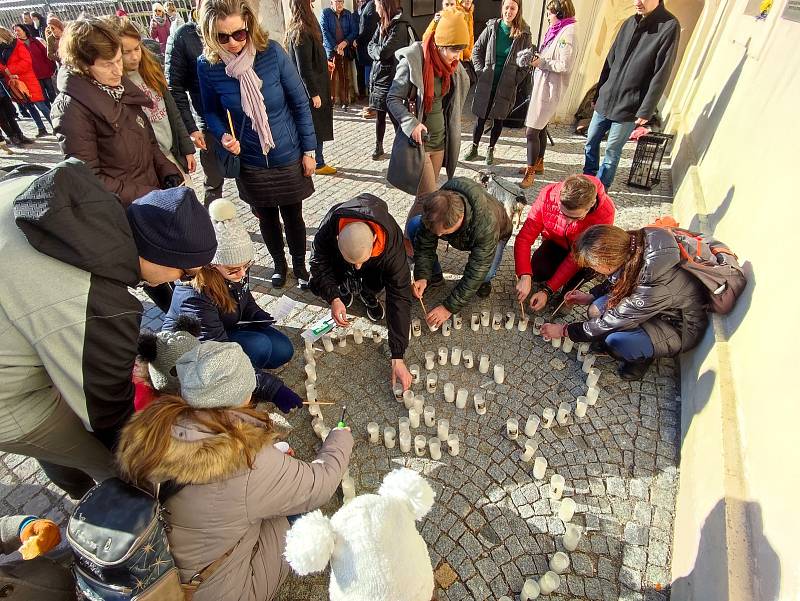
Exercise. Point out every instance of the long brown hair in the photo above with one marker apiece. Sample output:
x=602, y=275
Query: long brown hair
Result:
x=302, y=22
x=210, y=282
x=149, y=67
x=211, y=11
x=146, y=438
x=614, y=248
x=390, y=11
x=518, y=24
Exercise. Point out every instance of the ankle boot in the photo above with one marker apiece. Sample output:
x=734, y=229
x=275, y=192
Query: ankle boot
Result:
x=472, y=153
x=300, y=271
x=490, y=155
x=378, y=154
x=279, y=275
x=539, y=166
x=529, y=179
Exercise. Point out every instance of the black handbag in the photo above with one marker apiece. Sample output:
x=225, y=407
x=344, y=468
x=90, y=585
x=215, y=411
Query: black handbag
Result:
x=229, y=164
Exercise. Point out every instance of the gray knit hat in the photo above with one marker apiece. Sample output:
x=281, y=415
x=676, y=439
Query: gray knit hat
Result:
x=170, y=346
x=216, y=374
x=234, y=245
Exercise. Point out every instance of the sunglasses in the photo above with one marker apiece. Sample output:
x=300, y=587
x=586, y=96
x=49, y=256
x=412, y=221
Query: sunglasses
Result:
x=239, y=36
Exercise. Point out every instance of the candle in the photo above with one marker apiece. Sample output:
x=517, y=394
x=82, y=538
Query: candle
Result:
x=559, y=562
x=549, y=582
x=469, y=359
x=556, y=342
x=429, y=413
x=405, y=441
x=580, y=406
x=309, y=344
x=419, y=445
x=376, y=335
x=475, y=322
x=413, y=417
x=435, y=448
x=458, y=321
x=567, y=344
x=324, y=434
x=572, y=537
x=442, y=429
x=588, y=363
x=373, y=430
x=397, y=390
x=539, y=467
x=314, y=409
x=512, y=428
x=531, y=447
x=531, y=425
x=567, y=509
x=449, y=392
x=414, y=369
x=548, y=415
x=538, y=322
x=389, y=437
x=499, y=374
x=461, y=398
x=408, y=399
x=452, y=444
x=530, y=590
x=308, y=355
x=327, y=343
x=485, y=318
x=430, y=357
x=430, y=382
x=342, y=340
x=593, y=377
x=416, y=328
x=348, y=489
x=404, y=424
x=522, y=325
x=443, y=352
x=497, y=320
x=419, y=403
x=564, y=410
x=483, y=365
x=592, y=394
x=446, y=325
x=583, y=348
x=480, y=403
x=317, y=424
x=358, y=335
x=556, y=486
x=311, y=391
x=455, y=356
x=510, y=318
x=432, y=327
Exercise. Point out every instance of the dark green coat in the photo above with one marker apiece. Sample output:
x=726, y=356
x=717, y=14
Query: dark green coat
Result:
x=485, y=224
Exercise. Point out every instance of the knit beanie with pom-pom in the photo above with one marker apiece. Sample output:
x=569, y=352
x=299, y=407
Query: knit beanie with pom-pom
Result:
x=234, y=246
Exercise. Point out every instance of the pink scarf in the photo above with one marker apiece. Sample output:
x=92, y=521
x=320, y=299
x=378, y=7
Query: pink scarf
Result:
x=241, y=67
x=554, y=30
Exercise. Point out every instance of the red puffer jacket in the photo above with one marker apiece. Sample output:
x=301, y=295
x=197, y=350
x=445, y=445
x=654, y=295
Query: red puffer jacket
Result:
x=19, y=63
x=545, y=218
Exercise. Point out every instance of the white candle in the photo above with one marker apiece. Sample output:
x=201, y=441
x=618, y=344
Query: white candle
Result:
x=461, y=398
x=567, y=509
x=593, y=377
x=567, y=344
x=548, y=415
x=483, y=364
x=311, y=391
x=317, y=424
x=446, y=326
x=572, y=537
x=435, y=448
x=373, y=430
x=432, y=327
x=510, y=318
x=376, y=335
x=549, y=582
x=458, y=321
x=497, y=320
x=479, y=400
x=538, y=322
x=413, y=418
x=443, y=429
x=308, y=355
x=449, y=392
x=512, y=428
x=327, y=343
x=486, y=318
x=443, y=352
x=419, y=403
x=358, y=335
x=414, y=369
x=389, y=437
x=309, y=344
x=475, y=322
x=455, y=356
x=452, y=444
x=531, y=425
x=531, y=446
x=404, y=424
x=564, y=411
x=530, y=590
x=405, y=441
x=408, y=399
x=581, y=406
x=430, y=382
x=397, y=390
x=588, y=363
x=556, y=342
x=499, y=374
x=592, y=394
x=430, y=358
x=559, y=562
x=348, y=489
x=522, y=325
x=314, y=409
x=429, y=414
x=419, y=445
x=539, y=467
x=469, y=359
x=583, y=348
x=342, y=340
x=556, y=486
x=416, y=328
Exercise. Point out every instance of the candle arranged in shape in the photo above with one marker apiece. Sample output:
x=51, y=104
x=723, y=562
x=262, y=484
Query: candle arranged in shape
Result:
x=486, y=318
x=556, y=486
x=416, y=327
x=389, y=437
x=539, y=467
x=593, y=377
x=414, y=369
x=376, y=335
x=431, y=381
x=538, y=322
x=530, y=591
x=549, y=582
x=588, y=363
x=327, y=343
x=358, y=336
x=548, y=415
x=404, y=424
x=449, y=392
x=430, y=358
x=559, y=562
x=455, y=356
x=572, y=537
x=405, y=441
x=408, y=399
x=567, y=344
x=397, y=390
x=583, y=348
x=442, y=429
x=435, y=448
x=342, y=340
x=562, y=417
x=510, y=318
x=413, y=418
x=419, y=445
x=429, y=414
x=567, y=509
x=452, y=444
x=446, y=327
x=480, y=403
x=512, y=428
x=461, y=398
x=497, y=320
x=469, y=360
x=374, y=430
x=499, y=374
x=522, y=324
x=475, y=322
x=483, y=364
x=443, y=355
x=458, y=321
x=531, y=446
x=592, y=394
x=581, y=405
x=532, y=425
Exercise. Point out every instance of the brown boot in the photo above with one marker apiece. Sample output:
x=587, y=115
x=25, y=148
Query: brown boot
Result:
x=539, y=166
x=530, y=177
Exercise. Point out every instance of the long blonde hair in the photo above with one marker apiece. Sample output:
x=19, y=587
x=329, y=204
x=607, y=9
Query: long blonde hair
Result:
x=210, y=282
x=211, y=11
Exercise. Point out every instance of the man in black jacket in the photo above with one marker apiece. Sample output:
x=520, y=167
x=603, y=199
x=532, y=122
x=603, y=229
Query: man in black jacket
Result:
x=183, y=48
x=358, y=250
x=634, y=76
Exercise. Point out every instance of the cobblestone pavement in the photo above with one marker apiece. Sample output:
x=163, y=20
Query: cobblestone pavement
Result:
x=493, y=524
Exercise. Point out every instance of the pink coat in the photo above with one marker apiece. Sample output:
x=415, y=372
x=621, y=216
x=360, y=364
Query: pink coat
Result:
x=551, y=77
x=160, y=33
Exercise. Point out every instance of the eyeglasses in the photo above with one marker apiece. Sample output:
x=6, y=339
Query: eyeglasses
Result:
x=232, y=271
x=189, y=274
x=239, y=35
x=572, y=217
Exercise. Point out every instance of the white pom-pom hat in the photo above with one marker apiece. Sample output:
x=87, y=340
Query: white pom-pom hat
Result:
x=372, y=543
x=234, y=246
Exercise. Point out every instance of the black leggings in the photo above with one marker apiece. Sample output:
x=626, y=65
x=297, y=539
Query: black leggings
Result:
x=537, y=142
x=380, y=125
x=494, y=136
x=8, y=121
x=269, y=220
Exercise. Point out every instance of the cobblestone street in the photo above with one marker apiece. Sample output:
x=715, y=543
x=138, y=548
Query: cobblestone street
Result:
x=493, y=524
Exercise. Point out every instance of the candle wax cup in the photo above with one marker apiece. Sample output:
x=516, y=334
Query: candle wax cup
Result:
x=559, y=562
x=539, y=468
x=530, y=591
x=549, y=582
x=452, y=444
x=566, y=510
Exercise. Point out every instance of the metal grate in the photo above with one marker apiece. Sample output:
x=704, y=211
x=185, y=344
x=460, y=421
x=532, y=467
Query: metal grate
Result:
x=792, y=11
x=646, y=169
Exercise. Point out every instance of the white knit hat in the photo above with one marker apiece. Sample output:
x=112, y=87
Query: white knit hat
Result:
x=372, y=543
x=234, y=245
x=215, y=375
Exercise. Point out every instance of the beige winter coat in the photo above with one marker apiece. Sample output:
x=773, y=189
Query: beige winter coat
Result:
x=551, y=77
x=226, y=504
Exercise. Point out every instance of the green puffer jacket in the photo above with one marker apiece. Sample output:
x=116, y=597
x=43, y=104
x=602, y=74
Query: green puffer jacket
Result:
x=485, y=224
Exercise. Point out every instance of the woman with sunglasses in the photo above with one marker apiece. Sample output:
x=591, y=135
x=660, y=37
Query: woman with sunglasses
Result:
x=250, y=84
x=219, y=297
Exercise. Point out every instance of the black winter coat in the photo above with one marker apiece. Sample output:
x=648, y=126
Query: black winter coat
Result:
x=180, y=67
x=381, y=49
x=390, y=268
x=309, y=57
x=638, y=66
x=368, y=22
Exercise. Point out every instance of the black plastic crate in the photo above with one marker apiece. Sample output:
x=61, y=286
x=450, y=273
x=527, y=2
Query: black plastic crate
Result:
x=646, y=169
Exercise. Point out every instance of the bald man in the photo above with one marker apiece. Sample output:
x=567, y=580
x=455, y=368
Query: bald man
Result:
x=358, y=251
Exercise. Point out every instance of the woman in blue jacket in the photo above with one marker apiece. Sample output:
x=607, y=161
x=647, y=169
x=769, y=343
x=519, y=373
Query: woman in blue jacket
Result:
x=251, y=80
x=339, y=31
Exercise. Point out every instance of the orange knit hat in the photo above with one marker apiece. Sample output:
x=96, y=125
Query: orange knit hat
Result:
x=451, y=30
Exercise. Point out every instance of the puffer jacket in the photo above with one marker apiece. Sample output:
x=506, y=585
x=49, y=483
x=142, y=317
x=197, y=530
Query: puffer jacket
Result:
x=180, y=67
x=485, y=224
x=668, y=302
x=381, y=50
x=226, y=505
x=327, y=22
x=15, y=57
x=215, y=325
x=545, y=218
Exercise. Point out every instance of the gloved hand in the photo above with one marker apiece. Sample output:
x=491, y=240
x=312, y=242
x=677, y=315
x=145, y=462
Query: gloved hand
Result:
x=524, y=58
x=38, y=537
x=286, y=399
x=173, y=180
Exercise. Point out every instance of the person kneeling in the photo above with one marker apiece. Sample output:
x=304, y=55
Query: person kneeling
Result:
x=649, y=307
x=358, y=250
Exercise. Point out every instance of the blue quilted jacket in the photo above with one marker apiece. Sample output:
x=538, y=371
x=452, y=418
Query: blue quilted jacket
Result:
x=327, y=22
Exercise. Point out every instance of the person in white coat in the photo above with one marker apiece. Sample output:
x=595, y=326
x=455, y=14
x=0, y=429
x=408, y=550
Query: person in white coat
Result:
x=552, y=71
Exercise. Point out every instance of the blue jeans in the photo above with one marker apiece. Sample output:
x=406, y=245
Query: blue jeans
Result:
x=266, y=347
x=318, y=155
x=367, y=73
x=628, y=345
x=618, y=134
x=34, y=108
x=413, y=227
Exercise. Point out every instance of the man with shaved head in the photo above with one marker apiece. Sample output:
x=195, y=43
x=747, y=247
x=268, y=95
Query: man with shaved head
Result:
x=358, y=251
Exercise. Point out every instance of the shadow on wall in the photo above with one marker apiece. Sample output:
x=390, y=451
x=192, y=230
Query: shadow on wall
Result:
x=711, y=570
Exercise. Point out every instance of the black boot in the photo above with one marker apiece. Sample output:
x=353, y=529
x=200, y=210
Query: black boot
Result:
x=281, y=270
x=634, y=370
x=300, y=272
x=378, y=154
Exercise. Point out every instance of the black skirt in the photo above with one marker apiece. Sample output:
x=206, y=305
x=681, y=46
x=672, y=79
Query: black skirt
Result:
x=269, y=187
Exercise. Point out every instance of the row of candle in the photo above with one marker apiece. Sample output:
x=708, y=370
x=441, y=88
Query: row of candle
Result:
x=420, y=441
x=559, y=563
